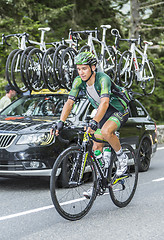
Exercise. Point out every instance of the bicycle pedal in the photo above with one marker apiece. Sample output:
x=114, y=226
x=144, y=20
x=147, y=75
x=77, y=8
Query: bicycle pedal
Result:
x=116, y=179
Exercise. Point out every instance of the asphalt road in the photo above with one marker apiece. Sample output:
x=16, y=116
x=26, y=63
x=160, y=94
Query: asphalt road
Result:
x=27, y=213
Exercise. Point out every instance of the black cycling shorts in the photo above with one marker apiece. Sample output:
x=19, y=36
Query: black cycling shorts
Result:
x=113, y=115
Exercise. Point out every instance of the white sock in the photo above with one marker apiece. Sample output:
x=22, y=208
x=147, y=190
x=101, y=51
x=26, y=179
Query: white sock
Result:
x=120, y=154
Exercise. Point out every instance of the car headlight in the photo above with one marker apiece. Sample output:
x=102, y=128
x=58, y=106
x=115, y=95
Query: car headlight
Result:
x=36, y=139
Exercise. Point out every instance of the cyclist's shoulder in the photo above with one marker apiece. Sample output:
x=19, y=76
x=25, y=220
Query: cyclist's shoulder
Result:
x=77, y=82
x=101, y=76
x=103, y=80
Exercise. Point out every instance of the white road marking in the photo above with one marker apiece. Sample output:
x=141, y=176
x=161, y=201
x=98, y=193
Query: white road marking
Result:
x=158, y=179
x=160, y=148
x=52, y=206
x=26, y=212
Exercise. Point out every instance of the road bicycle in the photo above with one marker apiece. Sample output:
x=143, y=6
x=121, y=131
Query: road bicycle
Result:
x=76, y=170
x=134, y=64
x=103, y=53
x=105, y=56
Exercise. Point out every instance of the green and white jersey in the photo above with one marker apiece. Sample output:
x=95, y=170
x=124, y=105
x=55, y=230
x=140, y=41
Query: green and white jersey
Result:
x=103, y=88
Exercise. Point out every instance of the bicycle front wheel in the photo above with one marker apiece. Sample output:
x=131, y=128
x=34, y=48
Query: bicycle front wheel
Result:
x=109, y=62
x=148, y=78
x=69, y=181
x=126, y=70
x=122, y=188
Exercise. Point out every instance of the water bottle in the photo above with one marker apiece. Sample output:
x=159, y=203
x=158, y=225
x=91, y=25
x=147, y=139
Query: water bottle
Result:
x=106, y=156
x=98, y=155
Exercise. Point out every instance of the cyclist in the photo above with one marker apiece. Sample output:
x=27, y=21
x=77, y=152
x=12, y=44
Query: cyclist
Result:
x=111, y=114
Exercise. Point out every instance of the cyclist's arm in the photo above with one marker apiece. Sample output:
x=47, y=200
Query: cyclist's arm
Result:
x=104, y=104
x=65, y=113
x=66, y=109
x=105, y=84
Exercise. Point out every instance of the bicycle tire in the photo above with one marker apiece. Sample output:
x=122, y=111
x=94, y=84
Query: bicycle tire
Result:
x=56, y=62
x=16, y=72
x=47, y=70
x=34, y=70
x=23, y=65
x=67, y=68
x=126, y=75
x=85, y=48
x=8, y=66
x=122, y=190
x=149, y=84
x=68, y=196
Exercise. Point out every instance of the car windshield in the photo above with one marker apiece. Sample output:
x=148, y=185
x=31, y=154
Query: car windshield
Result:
x=39, y=105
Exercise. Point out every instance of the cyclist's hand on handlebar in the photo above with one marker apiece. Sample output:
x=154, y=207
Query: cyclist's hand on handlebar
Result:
x=89, y=130
x=92, y=126
x=57, y=128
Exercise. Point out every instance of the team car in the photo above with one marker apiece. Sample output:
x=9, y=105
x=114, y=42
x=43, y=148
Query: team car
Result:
x=28, y=149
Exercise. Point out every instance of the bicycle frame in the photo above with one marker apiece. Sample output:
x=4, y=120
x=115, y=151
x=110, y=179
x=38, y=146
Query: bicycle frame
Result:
x=139, y=71
x=87, y=149
x=42, y=43
x=91, y=40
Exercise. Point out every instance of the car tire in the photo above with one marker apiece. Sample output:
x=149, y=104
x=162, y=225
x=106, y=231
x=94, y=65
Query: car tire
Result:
x=144, y=155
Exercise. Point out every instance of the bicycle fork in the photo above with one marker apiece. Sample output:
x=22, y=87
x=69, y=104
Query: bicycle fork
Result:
x=73, y=182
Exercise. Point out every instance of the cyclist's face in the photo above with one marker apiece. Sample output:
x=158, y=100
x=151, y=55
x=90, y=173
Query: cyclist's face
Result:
x=84, y=71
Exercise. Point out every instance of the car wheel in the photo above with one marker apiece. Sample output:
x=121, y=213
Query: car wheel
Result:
x=144, y=155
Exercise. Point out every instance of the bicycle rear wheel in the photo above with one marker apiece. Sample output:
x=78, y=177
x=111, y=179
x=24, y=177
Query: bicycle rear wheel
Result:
x=34, y=70
x=23, y=65
x=16, y=72
x=56, y=63
x=122, y=188
x=8, y=66
x=47, y=70
x=66, y=189
x=67, y=68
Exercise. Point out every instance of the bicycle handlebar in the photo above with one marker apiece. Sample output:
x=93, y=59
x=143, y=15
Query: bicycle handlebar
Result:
x=17, y=35
x=138, y=40
x=86, y=32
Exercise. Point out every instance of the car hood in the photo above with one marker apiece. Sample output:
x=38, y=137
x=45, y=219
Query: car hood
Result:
x=25, y=124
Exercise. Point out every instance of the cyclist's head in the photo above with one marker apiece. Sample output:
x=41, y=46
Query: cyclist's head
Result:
x=86, y=58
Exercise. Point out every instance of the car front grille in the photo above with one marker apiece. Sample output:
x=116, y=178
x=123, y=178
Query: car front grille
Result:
x=11, y=166
x=6, y=140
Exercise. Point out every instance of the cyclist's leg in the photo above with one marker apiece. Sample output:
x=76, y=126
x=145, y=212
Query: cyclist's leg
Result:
x=115, y=121
x=97, y=145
